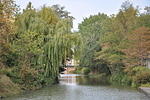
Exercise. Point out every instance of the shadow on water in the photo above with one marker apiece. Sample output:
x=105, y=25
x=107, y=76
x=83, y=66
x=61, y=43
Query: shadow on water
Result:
x=87, y=80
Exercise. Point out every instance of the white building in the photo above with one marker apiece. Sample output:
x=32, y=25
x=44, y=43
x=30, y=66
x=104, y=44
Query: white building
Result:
x=148, y=63
x=71, y=62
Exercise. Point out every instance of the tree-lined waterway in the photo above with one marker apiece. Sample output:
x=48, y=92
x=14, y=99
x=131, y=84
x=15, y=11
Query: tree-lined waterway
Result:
x=75, y=87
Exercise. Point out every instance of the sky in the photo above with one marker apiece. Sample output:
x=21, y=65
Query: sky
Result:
x=81, y=9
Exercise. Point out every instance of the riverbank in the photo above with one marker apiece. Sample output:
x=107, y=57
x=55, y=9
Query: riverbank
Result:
x=145, y=90
x=81, y=87
x=7, y=87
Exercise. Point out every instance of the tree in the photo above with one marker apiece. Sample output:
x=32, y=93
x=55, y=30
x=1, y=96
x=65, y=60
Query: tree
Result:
x=43, y=41
x=127, y=17
x=91, y=29
x=139, y=48
x=147, y=9
x=115, y=40
x=61, y=12
x=144, y=18
x=8, y=10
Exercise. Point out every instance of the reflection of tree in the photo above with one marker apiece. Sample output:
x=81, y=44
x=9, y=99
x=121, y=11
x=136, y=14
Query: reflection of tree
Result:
x=90, y=80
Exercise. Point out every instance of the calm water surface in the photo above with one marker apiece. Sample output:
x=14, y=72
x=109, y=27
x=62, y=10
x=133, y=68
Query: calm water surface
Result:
x=75, y=87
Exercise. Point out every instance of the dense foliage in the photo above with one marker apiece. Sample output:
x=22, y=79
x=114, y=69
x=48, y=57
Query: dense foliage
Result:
x=37, y=45
x=115, y=44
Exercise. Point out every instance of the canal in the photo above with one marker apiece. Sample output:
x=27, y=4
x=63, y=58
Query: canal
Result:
x=76, y=87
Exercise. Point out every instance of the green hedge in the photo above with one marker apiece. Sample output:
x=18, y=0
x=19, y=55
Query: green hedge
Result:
x=142, y=77
x=86, y=71
x=121, y=79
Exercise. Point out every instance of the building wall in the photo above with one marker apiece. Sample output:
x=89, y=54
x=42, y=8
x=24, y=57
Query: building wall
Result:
x=148, y=63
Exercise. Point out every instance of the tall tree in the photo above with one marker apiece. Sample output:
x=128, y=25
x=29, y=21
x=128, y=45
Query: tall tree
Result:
x=116, y=38
x=43, y=40
x=8, y=9
x=139, y=48
x=91, y=29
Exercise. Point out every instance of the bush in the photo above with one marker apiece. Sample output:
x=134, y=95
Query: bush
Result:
x=145, y=85
x=142, y=78
x=5, y=71
x=26, y=77
x=121, y=79
x=140, y=68
x=78, y=70
x=134, y=70
x=7, y=87
x=139, y=74
x=9, y=59
x=86, y=71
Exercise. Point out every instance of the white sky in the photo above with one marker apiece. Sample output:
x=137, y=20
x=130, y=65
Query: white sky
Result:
x=84, y=8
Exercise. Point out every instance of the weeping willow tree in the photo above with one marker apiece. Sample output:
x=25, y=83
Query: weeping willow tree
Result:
x=57, y=48
x=44, y=40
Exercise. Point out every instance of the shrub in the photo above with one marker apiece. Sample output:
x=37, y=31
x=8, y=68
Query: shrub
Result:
x=121, y=79
x=142, y=77
x=7, y=87
x=78, y=70
x=132, y=71
x=139, y=74
x=4, y=71
x=26, y=77
x=139, y=69
x=86, y=71
x=145, y=85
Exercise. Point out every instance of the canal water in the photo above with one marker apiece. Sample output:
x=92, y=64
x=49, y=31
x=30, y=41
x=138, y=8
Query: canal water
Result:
x=76, y=87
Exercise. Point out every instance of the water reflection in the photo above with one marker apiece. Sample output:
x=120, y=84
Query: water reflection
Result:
x=74, y=79
x=68, y=79
x=77, y=87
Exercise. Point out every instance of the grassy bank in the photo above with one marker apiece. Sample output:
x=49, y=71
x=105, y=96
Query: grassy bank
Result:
x=14, y=81
x=7, y=87
x=134, y=77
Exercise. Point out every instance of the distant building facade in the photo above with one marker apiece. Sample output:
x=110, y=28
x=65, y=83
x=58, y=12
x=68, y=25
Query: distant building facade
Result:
x=148, y=63
x=71, y=62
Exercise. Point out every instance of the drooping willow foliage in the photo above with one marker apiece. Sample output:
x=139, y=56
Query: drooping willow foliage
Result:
x=45, y=39
x=55, y=52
